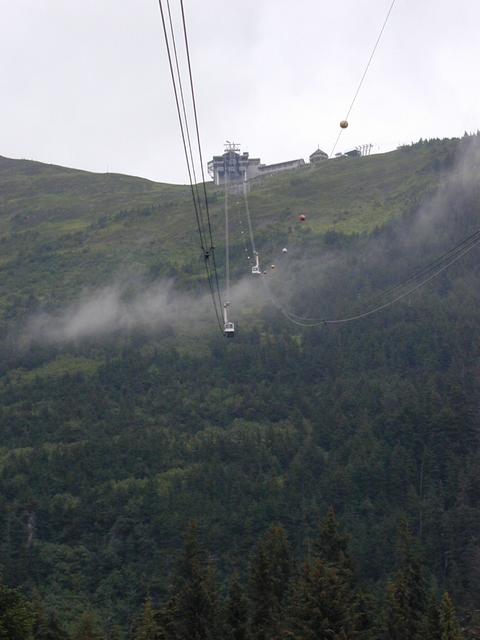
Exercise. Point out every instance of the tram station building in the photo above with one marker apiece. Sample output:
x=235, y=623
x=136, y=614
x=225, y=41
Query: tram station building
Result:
x=234, y=167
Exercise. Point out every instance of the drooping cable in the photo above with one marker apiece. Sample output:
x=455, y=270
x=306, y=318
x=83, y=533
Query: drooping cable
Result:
x=290, y=315
x=364, y=74
x=419, y=275
x=377, y=309
x=424, y=271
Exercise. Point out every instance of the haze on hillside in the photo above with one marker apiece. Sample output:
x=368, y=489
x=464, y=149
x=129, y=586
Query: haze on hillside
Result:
x=126, y=307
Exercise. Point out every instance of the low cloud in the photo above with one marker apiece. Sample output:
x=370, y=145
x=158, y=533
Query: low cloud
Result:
x=132, y=307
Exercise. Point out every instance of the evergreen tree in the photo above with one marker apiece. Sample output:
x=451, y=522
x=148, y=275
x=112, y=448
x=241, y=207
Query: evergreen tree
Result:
x=116, y=633
x=236, y=611
x=16, y=615
x=148, y=627
x=407, y=598
x=50, y=629
x=270, y=573
x=331, y=546
x=166, y=620
x=324, y=602
x=448, y=623
x=88, y=628
x=193, y=611
x=321, y=605
x=46, y=625
x=367, y=617
x=432, y=621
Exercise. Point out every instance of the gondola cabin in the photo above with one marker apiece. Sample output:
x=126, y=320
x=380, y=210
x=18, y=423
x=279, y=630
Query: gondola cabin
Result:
x=229, y=329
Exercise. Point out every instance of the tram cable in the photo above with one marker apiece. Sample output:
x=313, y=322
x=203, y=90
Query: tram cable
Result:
x=362, y=78
x=227, y=244
x=249, y=218
x=206, y=236
x=194, y=104
x=228, y=325
x=411, y=290
x=182, y=128
x=433, y=265
x=454, y=257
x=184, y=111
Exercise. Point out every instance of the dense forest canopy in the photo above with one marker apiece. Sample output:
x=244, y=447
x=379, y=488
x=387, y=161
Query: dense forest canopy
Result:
x=116, y=439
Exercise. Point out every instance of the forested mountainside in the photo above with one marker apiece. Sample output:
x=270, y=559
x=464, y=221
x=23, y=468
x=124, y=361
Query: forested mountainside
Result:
x=329, y=459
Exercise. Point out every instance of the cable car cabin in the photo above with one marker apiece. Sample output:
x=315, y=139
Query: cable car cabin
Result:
x=229, y=329
x=256, y=268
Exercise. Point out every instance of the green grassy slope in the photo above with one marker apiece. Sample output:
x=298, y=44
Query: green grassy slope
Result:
x=63, y=229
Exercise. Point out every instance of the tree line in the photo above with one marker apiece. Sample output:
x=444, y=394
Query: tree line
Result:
x=274, y=596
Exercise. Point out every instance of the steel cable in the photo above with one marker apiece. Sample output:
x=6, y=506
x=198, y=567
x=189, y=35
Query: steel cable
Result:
x=364, y=74
x=205, y=251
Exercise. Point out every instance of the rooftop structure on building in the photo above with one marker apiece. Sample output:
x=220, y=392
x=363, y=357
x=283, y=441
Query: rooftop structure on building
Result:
x=233, y=166
x=358, y=152
x=318, y=156
x=354, y=153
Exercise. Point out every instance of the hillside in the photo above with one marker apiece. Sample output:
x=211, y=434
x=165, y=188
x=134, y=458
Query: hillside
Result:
x=88, y=228
x=113, y=441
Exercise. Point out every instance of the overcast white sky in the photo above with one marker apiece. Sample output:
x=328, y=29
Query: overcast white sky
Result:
x=86, y=84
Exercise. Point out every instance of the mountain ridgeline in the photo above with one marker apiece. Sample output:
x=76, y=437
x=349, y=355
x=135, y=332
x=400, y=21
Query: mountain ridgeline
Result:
x=126, y=417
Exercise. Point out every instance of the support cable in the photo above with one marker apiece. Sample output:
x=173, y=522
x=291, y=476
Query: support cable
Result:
x=249, y=219
x=245, y=242
x=227, y=245
x=185, y=118
x=194, y=104
x=385, y=305
x=433, y=265
x=182, y=130
x=364, y=74
x=424, y=272
x=201, y=232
